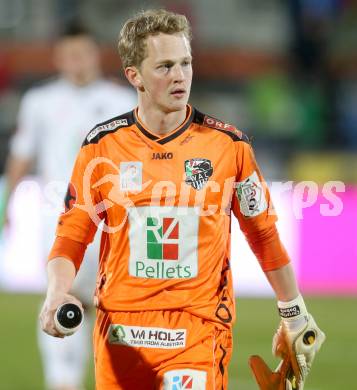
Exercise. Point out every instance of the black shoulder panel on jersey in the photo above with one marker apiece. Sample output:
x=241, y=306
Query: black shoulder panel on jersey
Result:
x=110, y=126
x=216, y=124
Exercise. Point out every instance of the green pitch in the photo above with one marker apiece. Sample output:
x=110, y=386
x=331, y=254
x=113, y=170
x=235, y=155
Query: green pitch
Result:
x=20, y=366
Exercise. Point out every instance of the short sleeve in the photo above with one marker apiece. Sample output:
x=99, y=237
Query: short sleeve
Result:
x=79, y=221
x=251, y=203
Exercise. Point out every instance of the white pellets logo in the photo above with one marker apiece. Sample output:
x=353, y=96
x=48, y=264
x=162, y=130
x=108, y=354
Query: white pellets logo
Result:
x=147, y=337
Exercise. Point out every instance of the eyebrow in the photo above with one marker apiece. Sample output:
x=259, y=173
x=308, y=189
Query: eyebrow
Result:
x=167, y=61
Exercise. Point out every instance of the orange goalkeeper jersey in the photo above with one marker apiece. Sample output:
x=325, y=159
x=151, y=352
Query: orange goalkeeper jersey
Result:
x=164, y=204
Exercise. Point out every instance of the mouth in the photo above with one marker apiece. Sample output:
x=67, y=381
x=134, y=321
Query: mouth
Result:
x=178, y=93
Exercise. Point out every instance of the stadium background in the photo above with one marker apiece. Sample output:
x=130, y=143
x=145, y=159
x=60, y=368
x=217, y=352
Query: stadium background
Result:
x=285, y=72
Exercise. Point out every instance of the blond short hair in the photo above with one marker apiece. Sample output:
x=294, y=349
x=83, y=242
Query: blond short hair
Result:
x=132, y=37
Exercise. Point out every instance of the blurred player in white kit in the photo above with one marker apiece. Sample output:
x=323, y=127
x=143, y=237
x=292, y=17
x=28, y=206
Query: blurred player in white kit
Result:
x=52, y=123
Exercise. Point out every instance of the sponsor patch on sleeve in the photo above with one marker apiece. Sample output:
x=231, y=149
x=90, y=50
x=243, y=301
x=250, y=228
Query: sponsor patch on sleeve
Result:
x=106, y=128
x=251, y=196
x=216, y=124
x=219, y=125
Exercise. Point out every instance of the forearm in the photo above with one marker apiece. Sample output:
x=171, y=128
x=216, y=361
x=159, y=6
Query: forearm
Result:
x=61, y=273
x=283, y=282
x=291, y=304
x=15, y=170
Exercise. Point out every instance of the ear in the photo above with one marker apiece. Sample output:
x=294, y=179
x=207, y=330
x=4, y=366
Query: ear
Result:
x=134, y=77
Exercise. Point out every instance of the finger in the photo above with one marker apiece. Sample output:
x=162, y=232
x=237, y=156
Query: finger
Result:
x=52, y=331
x=72, y=299
x=48, y=326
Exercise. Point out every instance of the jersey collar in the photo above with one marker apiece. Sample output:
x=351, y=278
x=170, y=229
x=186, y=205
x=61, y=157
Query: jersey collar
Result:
x=168, y=137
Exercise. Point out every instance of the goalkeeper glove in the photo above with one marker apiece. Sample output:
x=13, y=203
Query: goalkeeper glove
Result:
x=298, y=339
x=280, y=379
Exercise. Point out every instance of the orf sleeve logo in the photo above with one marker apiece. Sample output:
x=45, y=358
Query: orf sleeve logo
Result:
x=198, y=171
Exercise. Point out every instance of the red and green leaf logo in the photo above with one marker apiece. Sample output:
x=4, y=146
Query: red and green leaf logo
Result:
x=162, y=238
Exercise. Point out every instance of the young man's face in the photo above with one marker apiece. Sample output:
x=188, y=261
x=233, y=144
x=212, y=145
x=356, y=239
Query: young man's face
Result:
x=77, y=59
x=166, y=72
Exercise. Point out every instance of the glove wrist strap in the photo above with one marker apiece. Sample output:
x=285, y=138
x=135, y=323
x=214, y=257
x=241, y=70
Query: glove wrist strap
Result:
x=293, y=313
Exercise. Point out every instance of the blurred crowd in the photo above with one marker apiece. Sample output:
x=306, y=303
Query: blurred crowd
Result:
x=283, y=71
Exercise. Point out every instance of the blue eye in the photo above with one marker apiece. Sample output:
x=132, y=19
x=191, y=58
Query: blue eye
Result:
x=165, y=66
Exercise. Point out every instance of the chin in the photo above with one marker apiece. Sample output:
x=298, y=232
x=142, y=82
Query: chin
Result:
x=177, y=106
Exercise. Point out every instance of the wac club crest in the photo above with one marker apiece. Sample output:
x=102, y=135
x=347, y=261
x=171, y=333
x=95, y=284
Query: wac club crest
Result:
x=198, y=171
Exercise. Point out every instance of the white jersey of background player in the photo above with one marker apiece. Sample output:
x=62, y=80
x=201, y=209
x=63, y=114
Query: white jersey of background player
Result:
x=52, y=123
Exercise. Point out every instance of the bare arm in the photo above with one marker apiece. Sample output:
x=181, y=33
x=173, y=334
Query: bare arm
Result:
x=15, y=170
x=61, y=273
x=283, y=282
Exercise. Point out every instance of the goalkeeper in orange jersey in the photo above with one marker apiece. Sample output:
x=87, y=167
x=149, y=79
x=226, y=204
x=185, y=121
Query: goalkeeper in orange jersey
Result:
x=165, y=179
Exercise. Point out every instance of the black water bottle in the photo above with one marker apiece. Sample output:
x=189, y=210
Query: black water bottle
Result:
x=68, y=318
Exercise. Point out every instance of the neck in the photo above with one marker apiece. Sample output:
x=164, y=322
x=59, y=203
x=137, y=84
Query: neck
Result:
x=160, y=122
x=82, y=80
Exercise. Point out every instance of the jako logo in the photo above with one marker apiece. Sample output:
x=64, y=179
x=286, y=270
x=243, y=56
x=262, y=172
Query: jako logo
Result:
x=182, y=382
x=162, y=156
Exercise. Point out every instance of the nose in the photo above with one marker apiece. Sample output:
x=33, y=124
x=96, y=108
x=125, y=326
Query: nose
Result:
x=178, y=73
